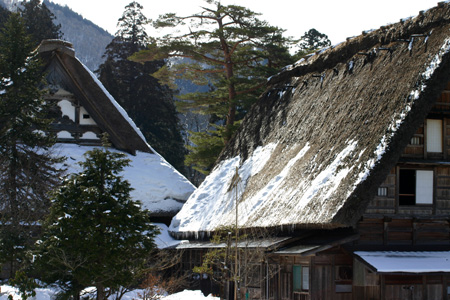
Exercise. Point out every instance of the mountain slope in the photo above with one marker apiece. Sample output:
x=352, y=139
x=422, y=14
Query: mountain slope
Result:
x=88, y=39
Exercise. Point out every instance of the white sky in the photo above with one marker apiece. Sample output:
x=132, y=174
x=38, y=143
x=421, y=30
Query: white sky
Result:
x=338, y=19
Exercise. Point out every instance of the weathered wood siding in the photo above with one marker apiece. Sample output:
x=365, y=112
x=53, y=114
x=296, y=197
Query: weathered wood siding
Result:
x=408, y=231
x=369, y=285
x=388, y=205
x=330, y=276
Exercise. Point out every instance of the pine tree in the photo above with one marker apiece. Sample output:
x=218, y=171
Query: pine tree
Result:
x=4, y=15
x=39, y=21
x=230, y=49
x=147, y=102
x=311, y=41
x=95, y=233
x=27, y=169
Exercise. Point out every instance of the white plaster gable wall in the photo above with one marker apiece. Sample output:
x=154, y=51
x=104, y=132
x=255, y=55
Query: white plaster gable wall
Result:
x=67, y=109
x=64, y=135
x=89, y=135
x=83, y=120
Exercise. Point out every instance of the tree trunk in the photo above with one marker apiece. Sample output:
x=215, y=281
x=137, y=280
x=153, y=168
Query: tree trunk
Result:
x=76, y=295
x=100, y=291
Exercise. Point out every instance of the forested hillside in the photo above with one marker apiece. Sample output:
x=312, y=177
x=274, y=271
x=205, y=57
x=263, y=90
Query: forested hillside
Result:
x=88, y=39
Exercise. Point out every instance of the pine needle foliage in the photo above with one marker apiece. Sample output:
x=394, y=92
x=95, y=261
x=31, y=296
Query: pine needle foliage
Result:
x=149, y=103
x=39, y=21
x=95, y=235
x=27, y=165
x=227, y=47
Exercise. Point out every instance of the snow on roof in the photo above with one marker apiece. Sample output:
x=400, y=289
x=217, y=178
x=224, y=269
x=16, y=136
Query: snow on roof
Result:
x=314, y=148
x=262, y=243
x=407, y=262
x=98, y=102
x=213, y=198
x=163, y=239
x=118, y=107
x=159, y=187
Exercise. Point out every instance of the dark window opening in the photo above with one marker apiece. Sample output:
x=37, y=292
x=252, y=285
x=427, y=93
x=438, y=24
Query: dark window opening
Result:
x=86, y=116
x=407, y=187
x=415, y=187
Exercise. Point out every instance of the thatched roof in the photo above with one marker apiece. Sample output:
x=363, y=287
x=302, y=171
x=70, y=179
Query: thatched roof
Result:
x=323, y=136
x=160, y=188
x=59, y=56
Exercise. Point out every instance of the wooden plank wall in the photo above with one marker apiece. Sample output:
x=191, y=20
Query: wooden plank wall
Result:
x=323, y=276
x=407, y=231
x=382, y=206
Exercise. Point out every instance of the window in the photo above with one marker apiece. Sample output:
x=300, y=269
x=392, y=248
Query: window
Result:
x=415, y=140
x=434, y=135
x=382, y=191
x=86, y=116
x=301, y=278
x=415, y=187
x=343, y=279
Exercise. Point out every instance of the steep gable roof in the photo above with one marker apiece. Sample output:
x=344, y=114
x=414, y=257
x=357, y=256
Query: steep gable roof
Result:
x=66, y=70
x=315, y=147
x=156, y=184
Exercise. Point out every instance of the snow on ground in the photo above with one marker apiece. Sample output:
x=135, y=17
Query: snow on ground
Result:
x=50, y=293
x=189, y=295
x=155, y=182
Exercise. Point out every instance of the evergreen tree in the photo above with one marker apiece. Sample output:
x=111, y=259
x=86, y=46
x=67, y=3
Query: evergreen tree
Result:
x=311, y=41
x=39, y=21
x=27, y=169
x=4, y=15
x=230, y=49
x=147, y=102
x=95, y=233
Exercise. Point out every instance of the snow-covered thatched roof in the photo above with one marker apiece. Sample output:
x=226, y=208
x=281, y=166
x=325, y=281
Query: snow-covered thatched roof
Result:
x=155, y=183
x=323, y=136
x=158, y=185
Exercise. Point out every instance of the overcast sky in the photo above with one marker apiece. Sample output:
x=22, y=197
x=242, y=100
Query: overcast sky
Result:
x=338, y=19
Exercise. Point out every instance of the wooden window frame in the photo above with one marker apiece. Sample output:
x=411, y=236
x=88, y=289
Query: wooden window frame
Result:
x=415, y=204
x=382, y=191
x=343, y=279
x=299, y=276
x=427, y=141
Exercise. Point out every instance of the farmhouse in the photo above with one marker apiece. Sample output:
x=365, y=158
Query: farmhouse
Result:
x=344, y=163
x=84, y=110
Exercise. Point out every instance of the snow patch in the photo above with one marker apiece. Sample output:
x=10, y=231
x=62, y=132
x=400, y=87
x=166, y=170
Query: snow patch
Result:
x=50, y=293
x=407, y=262
x=163, y=239
x=211, y=198
x=156, y=183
